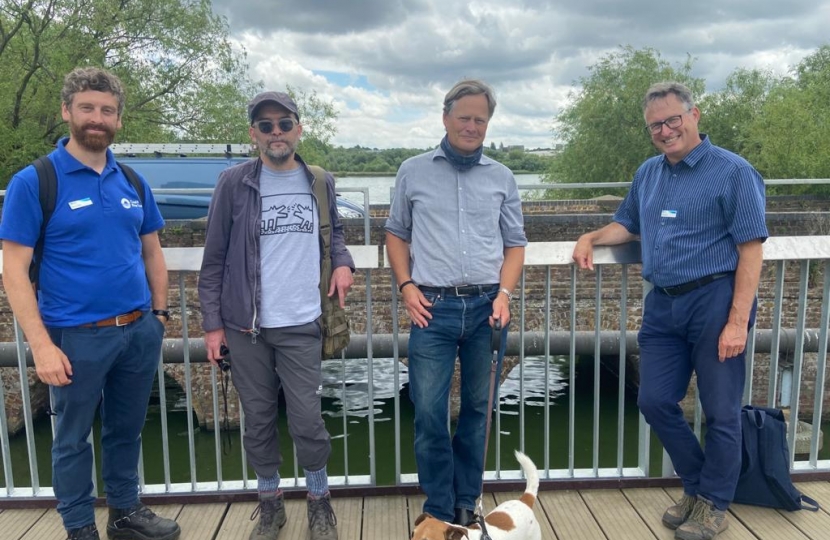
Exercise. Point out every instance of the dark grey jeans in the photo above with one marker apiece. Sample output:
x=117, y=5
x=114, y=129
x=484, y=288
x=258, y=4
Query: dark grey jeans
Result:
x=281, y=357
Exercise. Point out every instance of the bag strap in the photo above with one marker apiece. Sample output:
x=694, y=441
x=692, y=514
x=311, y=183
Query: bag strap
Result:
x=48, y=196
x=811, y=504
x=132, y=176
x=321, y=193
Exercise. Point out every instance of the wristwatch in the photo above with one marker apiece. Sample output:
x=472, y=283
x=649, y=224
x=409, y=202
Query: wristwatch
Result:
x=162, y=313
x=507, y=292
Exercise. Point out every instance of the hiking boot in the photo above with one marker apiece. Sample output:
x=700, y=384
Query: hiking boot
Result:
x=676, y=515
x=90, y=532
x=271, y=511
x=465, y=517
x=321, y=518
x=704, y=522
x=140, y=523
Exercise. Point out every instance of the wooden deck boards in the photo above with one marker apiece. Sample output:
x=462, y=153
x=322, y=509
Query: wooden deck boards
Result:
x=610, y=514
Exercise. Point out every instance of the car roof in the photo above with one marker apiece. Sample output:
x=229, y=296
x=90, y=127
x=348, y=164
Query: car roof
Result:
x=179, y=173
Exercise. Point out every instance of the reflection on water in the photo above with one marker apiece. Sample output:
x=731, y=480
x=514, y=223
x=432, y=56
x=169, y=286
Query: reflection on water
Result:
x=352, y=395
x=533, y=372
x=348, y=385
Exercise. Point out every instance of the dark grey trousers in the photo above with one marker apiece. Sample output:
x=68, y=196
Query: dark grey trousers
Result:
x=281, y=357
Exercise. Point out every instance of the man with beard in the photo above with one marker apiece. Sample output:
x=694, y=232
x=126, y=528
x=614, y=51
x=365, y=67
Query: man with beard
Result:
x=455, y=239
x=97, y=322
x=260, y=297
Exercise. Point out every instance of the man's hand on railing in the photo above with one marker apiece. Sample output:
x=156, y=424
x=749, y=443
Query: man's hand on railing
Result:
x=583, y=254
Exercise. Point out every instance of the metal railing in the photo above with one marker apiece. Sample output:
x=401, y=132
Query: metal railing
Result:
x=592, y=309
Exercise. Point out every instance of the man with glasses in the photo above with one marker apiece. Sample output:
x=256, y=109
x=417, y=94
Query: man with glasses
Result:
x=260, y=297
x=699, y=212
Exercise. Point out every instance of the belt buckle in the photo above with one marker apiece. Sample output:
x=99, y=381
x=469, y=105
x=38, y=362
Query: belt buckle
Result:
x=458, y=292
x=125, y=317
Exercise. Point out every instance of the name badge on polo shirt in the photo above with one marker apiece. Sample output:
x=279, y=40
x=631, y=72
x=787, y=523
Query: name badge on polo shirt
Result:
x=669, y=213
x=80, y=203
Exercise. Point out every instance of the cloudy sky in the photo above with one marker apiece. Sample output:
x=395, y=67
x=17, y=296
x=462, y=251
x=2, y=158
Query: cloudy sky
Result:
x=386, y=64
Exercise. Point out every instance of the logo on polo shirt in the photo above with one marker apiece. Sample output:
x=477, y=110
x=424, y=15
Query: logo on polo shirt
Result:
x=127, y=203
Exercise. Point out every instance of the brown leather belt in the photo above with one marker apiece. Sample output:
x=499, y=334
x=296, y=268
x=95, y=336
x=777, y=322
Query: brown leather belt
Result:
x=118, y=320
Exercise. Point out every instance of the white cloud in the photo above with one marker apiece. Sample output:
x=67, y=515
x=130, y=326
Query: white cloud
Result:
x=397, y=58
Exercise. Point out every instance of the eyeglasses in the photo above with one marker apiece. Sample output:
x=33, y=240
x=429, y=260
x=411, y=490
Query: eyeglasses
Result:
x=267, y=126
x=672, y=122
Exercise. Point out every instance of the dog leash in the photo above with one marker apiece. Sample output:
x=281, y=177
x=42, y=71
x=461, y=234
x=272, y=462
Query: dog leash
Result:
x=495, y=346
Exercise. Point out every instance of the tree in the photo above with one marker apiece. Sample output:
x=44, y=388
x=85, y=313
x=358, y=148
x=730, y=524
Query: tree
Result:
x=789, y=137
x=183, y=79
x=727, y=116
x=603, y=127
x=318, y=119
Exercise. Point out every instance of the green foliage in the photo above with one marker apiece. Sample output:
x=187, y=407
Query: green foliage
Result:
x=727, y=116
x=519, y=161
x=603, y=128
x=183, y=79
x=789, y=137
x=358, y=160
x=780, y=125
x=318, y=118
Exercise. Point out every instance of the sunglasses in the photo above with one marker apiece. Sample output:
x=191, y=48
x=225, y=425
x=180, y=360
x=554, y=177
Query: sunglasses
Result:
x=267, y=126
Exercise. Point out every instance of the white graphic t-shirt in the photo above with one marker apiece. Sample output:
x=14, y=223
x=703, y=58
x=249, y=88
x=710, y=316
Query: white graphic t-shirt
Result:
x=289, y=248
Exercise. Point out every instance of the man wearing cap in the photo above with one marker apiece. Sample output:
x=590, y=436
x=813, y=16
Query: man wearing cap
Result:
x=260, y=297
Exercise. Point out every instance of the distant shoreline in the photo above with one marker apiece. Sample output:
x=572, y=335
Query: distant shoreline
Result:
x=347, y=174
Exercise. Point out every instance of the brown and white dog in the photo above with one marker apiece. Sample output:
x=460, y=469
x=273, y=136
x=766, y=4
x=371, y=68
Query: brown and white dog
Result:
x=511, y=520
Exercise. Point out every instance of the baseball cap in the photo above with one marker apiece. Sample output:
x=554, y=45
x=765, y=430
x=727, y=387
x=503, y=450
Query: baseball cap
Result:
x=280, y=98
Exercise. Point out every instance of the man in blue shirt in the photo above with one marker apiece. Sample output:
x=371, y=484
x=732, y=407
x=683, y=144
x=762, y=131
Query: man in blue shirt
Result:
x=699, y=212
x=93, y=336
x=455, y=240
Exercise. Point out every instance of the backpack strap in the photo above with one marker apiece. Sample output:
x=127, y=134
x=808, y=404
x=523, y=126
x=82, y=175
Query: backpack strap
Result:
x=48, y=196
x=132, y=176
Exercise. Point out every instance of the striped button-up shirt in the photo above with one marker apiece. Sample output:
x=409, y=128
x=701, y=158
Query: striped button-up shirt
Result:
x=457, y=223
x=691, y=216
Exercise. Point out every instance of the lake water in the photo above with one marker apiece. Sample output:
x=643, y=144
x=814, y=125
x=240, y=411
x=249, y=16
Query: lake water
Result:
x=380, y=187
x=353, y=406
x=352, y=409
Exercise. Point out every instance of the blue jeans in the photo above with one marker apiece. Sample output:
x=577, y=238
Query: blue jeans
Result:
x=112, y=369
x=450, y=470
x=680, y=335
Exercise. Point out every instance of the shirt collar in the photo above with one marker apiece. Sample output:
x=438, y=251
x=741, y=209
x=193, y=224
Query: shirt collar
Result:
x=697, y=153
x=68, y=163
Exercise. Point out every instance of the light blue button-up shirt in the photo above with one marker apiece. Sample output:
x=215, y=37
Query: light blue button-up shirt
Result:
x=457, y=223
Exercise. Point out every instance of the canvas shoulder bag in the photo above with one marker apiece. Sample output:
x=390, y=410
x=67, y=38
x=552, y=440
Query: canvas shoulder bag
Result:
x=335, y=322
x=765, y=470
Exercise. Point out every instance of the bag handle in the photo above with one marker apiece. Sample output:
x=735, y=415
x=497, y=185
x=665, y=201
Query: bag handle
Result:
x=811, y=504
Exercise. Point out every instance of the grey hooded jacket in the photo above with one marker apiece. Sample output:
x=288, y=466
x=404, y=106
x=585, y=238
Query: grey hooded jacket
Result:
x=229, y=281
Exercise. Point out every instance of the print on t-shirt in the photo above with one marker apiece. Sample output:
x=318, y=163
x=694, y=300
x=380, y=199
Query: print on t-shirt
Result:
x=287, y=213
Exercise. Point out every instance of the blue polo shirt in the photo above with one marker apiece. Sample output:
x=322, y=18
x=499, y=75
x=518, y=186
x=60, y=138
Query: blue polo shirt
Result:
x=691, y=216
x=92, y=266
